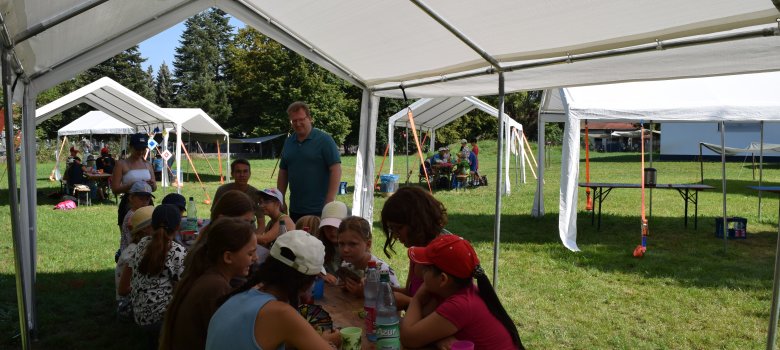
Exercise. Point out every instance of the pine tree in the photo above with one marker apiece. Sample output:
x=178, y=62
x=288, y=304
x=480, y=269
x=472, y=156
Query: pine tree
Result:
x=199, y=64
x=163, y=88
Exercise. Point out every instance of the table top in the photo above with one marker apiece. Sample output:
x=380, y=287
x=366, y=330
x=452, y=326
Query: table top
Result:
x=344, y=310
x=774, y=189
x=636, y=185
x=97, y=176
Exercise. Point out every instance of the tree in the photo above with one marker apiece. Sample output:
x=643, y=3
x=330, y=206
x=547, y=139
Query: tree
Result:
x=125, y=68
x=523, y=107
x=199, y=64
x=266, y=77
x=163, y=87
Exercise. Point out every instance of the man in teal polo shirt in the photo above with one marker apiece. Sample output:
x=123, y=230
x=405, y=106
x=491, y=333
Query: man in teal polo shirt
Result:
x=310, y=164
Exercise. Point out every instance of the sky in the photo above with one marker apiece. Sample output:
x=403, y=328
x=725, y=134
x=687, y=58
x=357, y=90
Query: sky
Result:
x=161, y=47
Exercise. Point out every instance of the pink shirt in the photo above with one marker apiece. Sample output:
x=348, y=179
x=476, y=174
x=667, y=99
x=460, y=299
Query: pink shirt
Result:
x=466, y=310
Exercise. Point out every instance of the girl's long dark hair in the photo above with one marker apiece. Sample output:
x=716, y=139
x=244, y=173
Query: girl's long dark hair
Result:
x=156, y=251
x=227, y=234
x=417, y=209
x=488, y=295
x=276, y=274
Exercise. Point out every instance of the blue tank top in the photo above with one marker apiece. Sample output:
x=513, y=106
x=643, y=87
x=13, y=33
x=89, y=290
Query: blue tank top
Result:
x=233, y=325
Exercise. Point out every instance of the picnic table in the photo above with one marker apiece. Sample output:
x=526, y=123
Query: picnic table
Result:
x=688, y=192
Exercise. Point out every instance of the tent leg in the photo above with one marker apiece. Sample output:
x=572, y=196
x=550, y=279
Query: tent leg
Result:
x=723, y=182
x=13, y=196
x=499, y=178
x=772, y=334
x=760, y=169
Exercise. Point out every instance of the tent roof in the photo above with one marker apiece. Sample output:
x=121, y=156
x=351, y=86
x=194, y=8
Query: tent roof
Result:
x=196, y=121
x=114, y=99
x=96, y=122
x=366, y=45
x=747, y=97
x=433, y=113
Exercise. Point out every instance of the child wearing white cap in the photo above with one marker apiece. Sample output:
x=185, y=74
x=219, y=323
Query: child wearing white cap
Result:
x=263, y=312
x=272, y=204
x=332, y=214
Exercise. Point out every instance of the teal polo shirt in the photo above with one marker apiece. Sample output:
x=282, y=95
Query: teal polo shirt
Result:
x=308, y=170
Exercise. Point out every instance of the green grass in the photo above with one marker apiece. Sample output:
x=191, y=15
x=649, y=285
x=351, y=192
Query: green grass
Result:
x=686, y=293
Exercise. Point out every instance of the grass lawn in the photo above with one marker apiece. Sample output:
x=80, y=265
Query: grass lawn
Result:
x=688, y=292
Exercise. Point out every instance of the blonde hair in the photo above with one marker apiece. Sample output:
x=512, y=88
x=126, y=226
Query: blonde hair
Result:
x=310, y=221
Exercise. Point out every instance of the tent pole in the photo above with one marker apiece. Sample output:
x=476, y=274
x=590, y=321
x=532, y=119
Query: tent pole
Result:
x=227, y=173
x=391, y=144
x=29, y=200
x=760, y=169
x=772, y=334
x=13, y=197
x=407, y=151
x=723, y=182
x=701, y=164
x=499, y=177
x=651, y=165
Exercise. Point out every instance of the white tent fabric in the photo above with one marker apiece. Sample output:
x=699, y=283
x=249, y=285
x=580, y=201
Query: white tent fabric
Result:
x=725, y=98
x=431, y=114
x=95, y=122
x=458, y=47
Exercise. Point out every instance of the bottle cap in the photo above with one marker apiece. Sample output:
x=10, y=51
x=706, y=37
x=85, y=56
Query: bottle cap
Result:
x=372, y=263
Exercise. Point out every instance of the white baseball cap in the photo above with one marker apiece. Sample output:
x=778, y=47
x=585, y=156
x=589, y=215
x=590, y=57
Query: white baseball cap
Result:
x=274, y=193
x=333, y=213
x=308, y=250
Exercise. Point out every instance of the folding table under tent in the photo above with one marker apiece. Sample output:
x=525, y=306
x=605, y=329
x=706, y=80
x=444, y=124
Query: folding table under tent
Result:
x=431, y=114
x=747, y=97
x=458, y=49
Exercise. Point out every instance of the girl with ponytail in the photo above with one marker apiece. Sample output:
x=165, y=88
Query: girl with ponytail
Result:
x=226, y=252
x=449, y=307
x=156, y=266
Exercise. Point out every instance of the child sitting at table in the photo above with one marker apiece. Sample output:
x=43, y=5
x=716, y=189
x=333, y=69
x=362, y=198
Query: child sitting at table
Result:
x=332, y=214
x=140, y=227
x=354, y=237
x=272, y=203
x=449, y=307
x=308, y=223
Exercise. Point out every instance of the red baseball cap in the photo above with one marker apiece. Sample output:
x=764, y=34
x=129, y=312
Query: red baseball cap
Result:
x=450, y=253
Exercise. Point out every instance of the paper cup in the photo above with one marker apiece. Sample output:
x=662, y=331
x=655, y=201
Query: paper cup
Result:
x=462, y=345
x=350, y=338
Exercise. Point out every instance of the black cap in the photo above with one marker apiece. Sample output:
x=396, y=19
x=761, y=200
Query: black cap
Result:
x=166, y=216
x=139, y=140
x=175, y=199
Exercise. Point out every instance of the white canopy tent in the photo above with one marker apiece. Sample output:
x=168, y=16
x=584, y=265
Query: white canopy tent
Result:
x=459, y=49
x=95, y=123
x=725, y=98
x=431, y=114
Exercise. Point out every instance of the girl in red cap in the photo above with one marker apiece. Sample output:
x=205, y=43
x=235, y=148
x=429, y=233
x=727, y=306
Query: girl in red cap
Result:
x=449, y=307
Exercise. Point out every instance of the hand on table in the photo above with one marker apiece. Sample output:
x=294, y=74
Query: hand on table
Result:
x=333, y=338
x=331, y=279
x=354, y=287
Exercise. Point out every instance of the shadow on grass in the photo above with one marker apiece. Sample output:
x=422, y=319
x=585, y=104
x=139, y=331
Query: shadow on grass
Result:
x=75, y=311
x=689, y=257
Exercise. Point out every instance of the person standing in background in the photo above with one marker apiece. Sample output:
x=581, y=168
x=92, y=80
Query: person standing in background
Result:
x=310, y=165
x=241, y=171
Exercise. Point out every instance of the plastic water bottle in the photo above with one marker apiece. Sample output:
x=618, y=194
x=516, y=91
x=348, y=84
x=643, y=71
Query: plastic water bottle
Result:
x=386, y=327
x=370, y=291
x=192, y=216
x=282, y=227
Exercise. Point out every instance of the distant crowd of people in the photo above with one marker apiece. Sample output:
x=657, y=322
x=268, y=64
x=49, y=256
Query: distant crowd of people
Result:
x=238, y=285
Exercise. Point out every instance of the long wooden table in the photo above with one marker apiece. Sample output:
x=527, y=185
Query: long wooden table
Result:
x=688, y=192
x=345, y=311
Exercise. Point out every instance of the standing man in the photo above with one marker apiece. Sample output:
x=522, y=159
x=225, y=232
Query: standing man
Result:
x=310, y=164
